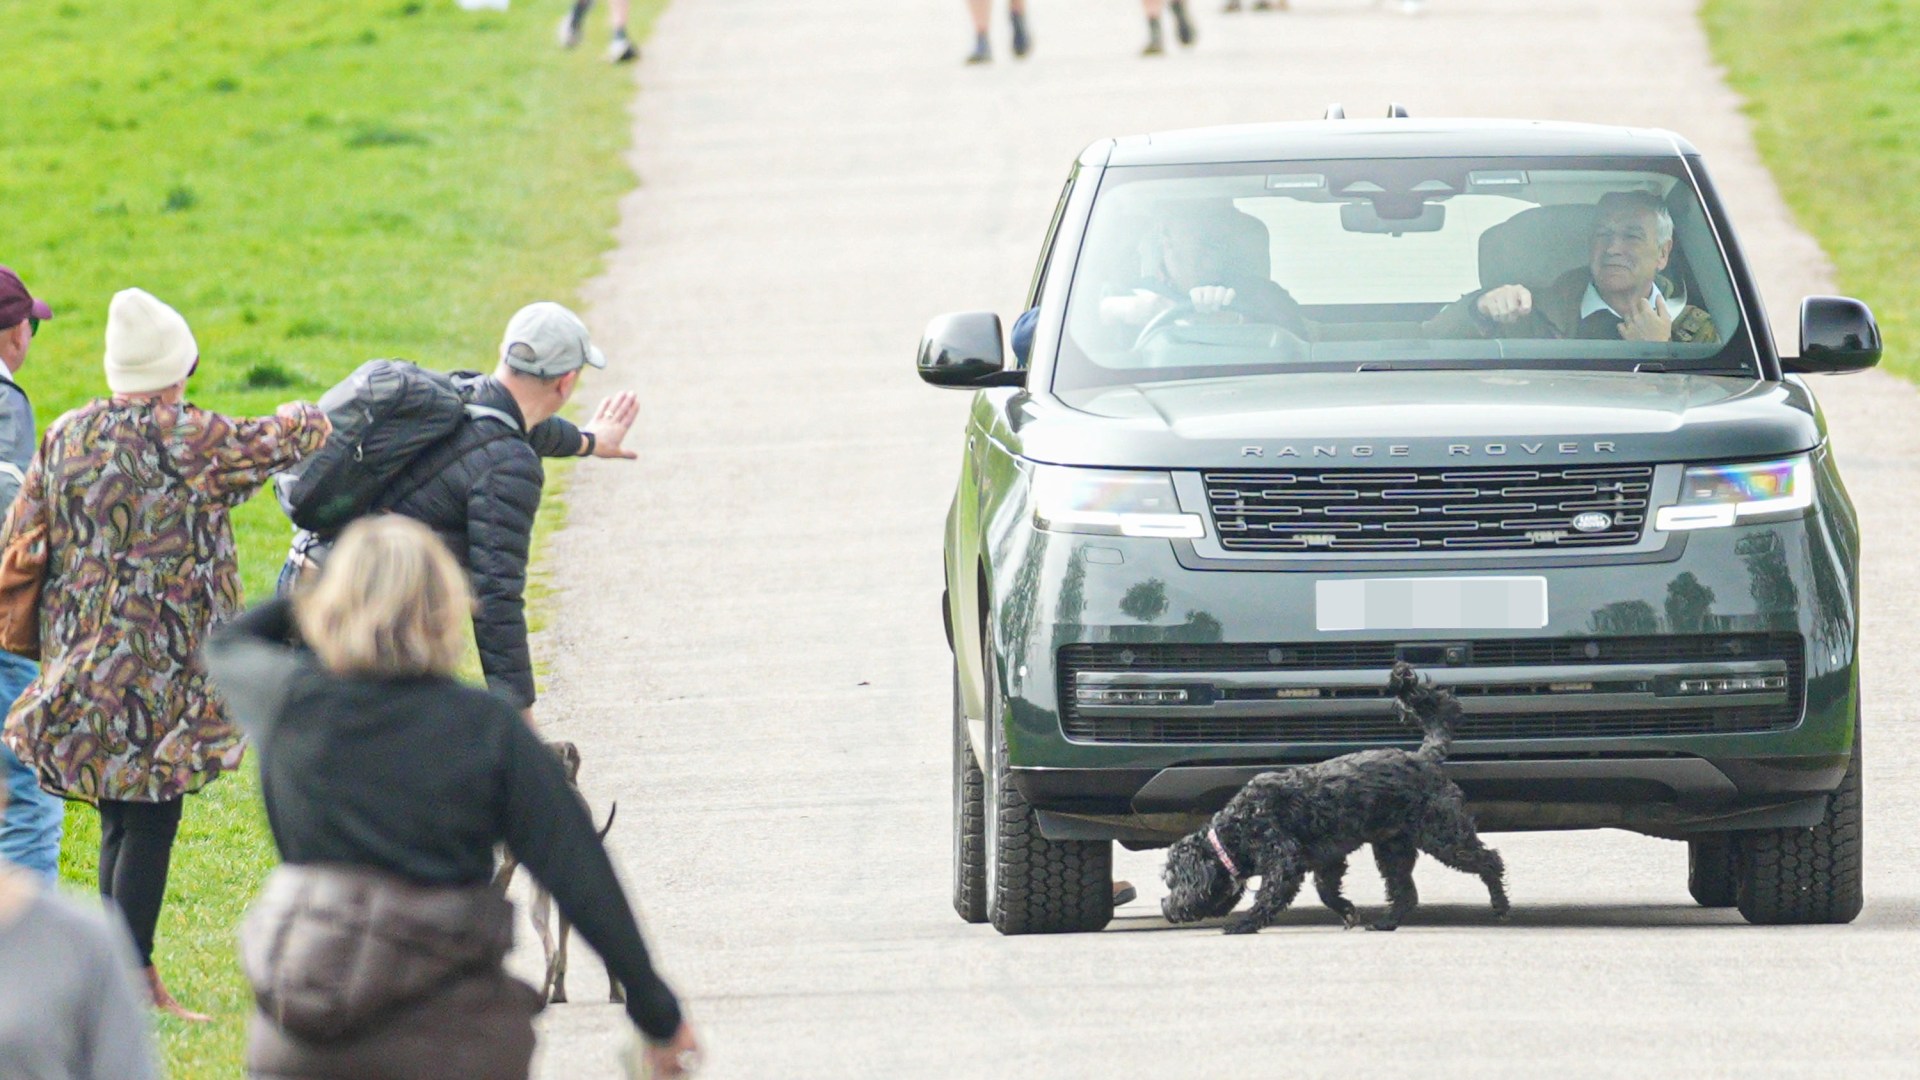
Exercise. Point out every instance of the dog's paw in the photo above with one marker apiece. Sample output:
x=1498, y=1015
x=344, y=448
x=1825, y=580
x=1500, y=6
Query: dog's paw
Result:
x=1350, y=920
x=1384, y=926
x=1241, y=925
x=1403, y=680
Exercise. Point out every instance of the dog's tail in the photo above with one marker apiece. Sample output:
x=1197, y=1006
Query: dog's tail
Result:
x=1426, y=706
x=613, y=811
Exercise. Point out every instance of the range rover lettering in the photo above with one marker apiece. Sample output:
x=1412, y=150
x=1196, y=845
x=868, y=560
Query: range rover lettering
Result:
x=1293, y=402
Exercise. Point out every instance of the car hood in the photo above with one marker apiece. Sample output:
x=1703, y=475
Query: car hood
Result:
x=1419, y=418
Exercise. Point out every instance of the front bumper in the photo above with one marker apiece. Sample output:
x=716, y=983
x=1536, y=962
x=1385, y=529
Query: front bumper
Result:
x=1562, y=740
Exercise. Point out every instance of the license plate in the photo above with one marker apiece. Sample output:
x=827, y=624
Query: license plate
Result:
x=1453, y=603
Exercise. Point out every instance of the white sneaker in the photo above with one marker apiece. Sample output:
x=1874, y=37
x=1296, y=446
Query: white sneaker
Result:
x=621, y=51
x=569, y=32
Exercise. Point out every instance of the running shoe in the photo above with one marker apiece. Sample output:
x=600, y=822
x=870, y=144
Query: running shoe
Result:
x=569, y=32
x=1154, y=45
x=1022, y=42
x=982, y=52
x=622, y=51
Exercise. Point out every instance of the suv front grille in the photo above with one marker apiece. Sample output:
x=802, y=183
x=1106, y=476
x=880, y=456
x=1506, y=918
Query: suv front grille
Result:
x=1223, y=710
x=1481, y=509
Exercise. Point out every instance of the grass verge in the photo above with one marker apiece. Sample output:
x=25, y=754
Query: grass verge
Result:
x=1831, y=89
x=311, y=185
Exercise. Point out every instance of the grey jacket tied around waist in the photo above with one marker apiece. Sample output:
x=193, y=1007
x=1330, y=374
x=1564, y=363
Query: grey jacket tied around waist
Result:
x=332, y=950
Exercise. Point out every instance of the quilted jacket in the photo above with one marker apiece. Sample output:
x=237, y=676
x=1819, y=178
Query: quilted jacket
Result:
x=479, y=491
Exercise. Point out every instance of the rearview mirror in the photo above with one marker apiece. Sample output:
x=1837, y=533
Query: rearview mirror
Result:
x=1837, y=336
x=1366, y=217
x=963, y=350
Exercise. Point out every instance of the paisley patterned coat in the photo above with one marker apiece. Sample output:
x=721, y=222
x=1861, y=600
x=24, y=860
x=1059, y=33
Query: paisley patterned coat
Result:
x=141, y=563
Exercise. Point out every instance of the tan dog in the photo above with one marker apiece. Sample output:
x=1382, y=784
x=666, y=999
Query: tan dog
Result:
x=554, y=988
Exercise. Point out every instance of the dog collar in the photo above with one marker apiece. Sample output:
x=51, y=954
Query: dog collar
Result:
x=1220, y=851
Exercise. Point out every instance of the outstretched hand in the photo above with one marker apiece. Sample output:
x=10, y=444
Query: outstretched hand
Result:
x=610, y=424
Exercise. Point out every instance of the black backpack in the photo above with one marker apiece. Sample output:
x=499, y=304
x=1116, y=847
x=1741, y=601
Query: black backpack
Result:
x=385, y=415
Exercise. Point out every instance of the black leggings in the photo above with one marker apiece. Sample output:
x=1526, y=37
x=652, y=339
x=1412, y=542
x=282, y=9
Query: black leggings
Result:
x=136, y=846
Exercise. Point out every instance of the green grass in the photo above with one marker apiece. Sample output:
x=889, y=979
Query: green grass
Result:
x=311, y=184
x=1832, y=89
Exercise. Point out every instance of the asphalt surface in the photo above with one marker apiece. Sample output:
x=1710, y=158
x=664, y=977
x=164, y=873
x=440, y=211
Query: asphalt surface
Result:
x=748, y=649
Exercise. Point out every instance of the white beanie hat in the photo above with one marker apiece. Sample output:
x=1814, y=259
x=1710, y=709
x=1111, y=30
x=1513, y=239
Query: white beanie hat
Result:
x=149, y=346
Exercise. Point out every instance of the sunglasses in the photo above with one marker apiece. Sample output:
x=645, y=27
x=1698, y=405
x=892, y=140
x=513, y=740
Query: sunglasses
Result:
x=33, y=326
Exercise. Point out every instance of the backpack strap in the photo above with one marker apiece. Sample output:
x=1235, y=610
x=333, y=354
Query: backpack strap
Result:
x=431, y=463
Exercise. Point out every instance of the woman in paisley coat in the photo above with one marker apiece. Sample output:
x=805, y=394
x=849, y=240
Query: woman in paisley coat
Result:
x=135, y=490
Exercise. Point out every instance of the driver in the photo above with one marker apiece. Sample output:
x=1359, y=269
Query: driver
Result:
x=1619, y=294
x=1212, y=260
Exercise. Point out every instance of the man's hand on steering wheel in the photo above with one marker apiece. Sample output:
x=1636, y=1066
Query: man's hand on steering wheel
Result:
x=1204, y=303
x=1208, y=299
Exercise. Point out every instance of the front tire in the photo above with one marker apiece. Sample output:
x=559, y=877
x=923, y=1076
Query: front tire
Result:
x=1036, y=885
x=969, y=821
x=1712, y=876
x=1790, y=876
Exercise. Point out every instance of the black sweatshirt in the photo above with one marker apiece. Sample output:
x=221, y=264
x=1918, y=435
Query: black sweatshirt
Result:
x=421, y=777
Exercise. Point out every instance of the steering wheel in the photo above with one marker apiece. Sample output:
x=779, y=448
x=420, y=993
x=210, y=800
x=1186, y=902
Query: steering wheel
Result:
x=1182, y=313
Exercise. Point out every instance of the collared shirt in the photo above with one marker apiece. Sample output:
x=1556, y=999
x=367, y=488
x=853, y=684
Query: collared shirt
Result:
x=1593, y=302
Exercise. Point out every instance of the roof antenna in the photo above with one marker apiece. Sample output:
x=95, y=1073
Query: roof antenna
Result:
x=1396, y=111
x=1335, y=112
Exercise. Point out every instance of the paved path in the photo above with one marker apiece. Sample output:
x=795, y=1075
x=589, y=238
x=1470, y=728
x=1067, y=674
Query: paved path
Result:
x=749, y=651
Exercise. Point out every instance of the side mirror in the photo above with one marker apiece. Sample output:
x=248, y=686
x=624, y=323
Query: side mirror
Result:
x=1837, y=336
x=963, y=350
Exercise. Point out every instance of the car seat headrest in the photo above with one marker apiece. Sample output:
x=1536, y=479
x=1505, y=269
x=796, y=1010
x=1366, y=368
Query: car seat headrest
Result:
x=1238, y=239
x=1536, y=246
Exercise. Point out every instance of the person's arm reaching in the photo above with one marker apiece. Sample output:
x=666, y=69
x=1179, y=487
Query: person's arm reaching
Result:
x=548, y=829
x=602, y=437
x=243, y=454
x=252, y=663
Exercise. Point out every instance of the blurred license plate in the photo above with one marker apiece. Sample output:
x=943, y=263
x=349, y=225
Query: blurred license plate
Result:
x=1460, y=603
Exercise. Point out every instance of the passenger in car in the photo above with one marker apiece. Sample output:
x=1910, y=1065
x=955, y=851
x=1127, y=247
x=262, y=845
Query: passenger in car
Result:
x=1619, y=294
x=1212, y=260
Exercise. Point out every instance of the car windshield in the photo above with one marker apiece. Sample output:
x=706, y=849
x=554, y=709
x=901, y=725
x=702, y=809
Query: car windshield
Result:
x=1228, y=270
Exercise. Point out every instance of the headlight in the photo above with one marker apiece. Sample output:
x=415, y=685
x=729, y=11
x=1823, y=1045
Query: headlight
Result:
x=1712, y=496
x=1108, y=502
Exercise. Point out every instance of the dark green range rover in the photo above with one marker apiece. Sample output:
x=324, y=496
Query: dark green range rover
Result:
x=1295, y=401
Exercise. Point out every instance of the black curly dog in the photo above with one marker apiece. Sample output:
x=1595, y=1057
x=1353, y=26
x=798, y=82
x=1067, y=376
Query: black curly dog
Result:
x=1284, y=825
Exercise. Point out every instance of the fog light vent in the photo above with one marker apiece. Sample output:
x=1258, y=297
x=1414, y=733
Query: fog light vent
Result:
x=1121, y=695
x=1733, y=684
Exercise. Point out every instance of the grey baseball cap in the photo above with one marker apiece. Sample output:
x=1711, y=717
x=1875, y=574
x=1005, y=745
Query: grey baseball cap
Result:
x=547, y=340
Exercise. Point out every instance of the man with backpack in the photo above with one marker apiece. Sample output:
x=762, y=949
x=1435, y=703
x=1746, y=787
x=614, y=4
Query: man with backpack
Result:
x=479, y=486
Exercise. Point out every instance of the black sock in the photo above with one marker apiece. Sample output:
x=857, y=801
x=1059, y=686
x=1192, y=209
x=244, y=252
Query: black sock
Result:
x=580, y=9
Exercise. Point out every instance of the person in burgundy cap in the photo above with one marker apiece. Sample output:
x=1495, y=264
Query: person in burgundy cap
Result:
x=30, y=826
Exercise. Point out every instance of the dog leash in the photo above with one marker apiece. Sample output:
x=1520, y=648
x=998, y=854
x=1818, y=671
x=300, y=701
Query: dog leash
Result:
x=1220, y=850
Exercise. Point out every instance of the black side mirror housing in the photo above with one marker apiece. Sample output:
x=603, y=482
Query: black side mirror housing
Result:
x=964, y=350
x=1837, y=336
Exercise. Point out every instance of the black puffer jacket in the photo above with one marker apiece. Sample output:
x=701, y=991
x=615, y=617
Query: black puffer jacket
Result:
x=479, y=490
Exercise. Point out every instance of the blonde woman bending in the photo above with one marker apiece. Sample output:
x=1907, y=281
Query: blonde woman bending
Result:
x=387, y=784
